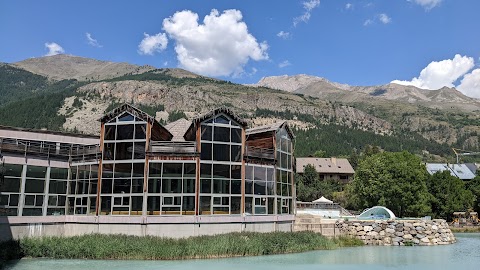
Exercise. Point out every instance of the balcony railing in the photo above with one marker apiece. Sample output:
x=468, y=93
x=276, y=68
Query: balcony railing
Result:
x=172, y=148
x=258, y=152
x=37, y=148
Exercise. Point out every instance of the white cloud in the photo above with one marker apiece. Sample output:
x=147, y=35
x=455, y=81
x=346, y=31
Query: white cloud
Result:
x=284, y=35
x=367, y=22
x=349, y=6
x=221, y=46
x=152, y=44
x=443, y=73
x=53, y=49
x=285, y=63
x=91, y=41
x=384, y=18
x=427, y=4
x=308, y=6
x=470, y=84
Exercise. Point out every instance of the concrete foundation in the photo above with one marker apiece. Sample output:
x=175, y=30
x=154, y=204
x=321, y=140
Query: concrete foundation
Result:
x=173, y=227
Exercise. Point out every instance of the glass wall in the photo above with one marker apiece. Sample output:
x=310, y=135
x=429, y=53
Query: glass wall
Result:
x=123, y=166
x=10, y=189
x=284, y=172
x=83, y=189
x=221, y=166
x=171, y=188
x=57, y=191
x=259, y=189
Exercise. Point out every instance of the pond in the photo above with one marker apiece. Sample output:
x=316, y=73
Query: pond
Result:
x=465, y=254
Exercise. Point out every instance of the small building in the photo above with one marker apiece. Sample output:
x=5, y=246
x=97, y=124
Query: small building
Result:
x=328, y=168
x=461, y=171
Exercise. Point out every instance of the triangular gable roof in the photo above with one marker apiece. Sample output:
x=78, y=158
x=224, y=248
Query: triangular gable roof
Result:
x=270, y=128
x=322, y=200
x=178, y=128
x=139, y=114
x=211, y=114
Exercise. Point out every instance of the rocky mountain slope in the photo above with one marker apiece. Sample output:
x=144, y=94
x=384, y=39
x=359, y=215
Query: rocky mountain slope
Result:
x=328, y=115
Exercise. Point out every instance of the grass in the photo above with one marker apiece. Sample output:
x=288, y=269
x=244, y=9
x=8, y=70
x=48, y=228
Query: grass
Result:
x=123, y=247
x=465, y=229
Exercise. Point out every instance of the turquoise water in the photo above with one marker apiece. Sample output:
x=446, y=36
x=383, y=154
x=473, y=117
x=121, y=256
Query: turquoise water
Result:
x=464, y=255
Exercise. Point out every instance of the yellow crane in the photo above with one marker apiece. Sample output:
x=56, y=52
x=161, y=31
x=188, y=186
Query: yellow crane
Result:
x=461, y=152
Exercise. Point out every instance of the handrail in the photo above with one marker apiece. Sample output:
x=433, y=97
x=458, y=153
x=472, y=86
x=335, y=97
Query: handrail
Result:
x=177, y=147
x=254, y=151
x=50, y=149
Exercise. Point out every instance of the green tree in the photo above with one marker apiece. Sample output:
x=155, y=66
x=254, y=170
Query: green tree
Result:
x=474, y=186
x=310, y=187
x=449, y=195
x=395, y=180
x=320, y=154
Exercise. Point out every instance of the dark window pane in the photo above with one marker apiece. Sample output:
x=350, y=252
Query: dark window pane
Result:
x=106, y=186
x=189, y=170
x=39, y=200
x=125, y=117
x=137, y=185
x=106, y=205
x=155, y=169
x=94, y=172
x=235, y=205
x=248, y=187
x=154, y=185
x=57, y=187
x=13, y=170
x=109, y=132
x=236, y=135
x=222, y=120
x=206, y=133
x=270, y=188
x=58, y=173
x=32, y=212
x=236, y=172
x=172, y=169
x=236, y=187
x=260, y=173
x=172, y=185
x=3, y=200
x=221, y=186
x=138, y=169
x=221, y=134
x=205, y=205
x=34, y=186
x=249, y=205
x=108, y=151
x=270, y=172
x=188, y=204
x=137, y=203
x=123, y=170
x=10, y=185
x=29, y=200
x=107, y=171
x=259, y=187
x=36, y=171
x=205, y=186
x=123, y=151
x=14, y=199
x=221, y=171
x=221, y=152
x=139, y=151
x=188, y=185
x=125, y=132
x=61, y=200
x=121, y=185
x=206, y=170
x=236, y=153
x=153, y=204
x=206, y=151
x=249, y=172
x=140, y=131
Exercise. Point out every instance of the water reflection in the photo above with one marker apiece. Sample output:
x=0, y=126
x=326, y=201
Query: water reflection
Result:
x=465, y=254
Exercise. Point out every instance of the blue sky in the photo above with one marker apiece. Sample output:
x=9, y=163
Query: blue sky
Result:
x=368, y=42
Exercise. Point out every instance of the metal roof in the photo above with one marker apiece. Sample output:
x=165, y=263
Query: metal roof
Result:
x=270, y=128
x=326, y=165
x=178, y=128
x=458, y=170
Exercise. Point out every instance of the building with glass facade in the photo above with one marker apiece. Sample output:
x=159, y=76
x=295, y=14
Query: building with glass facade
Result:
x=209, y=175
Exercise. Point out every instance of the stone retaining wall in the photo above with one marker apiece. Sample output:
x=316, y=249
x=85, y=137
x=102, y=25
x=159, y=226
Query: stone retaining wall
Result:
x=399, y=232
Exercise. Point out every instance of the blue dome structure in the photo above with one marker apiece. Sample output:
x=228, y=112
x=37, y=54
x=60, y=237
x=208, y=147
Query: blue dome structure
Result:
x=377, y=212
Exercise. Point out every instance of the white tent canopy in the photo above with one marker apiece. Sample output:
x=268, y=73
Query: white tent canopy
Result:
x=322, y=200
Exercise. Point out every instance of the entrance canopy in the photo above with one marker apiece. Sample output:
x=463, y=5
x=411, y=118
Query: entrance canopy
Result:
x=322, y=200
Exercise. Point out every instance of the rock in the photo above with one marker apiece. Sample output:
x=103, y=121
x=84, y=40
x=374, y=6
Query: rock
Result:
x=361, y=233
x=408, y=237
x=419, y=229
x=367, y=228
x=399, y=233
x=420, y=236
x=390, y=230
x=425, y=240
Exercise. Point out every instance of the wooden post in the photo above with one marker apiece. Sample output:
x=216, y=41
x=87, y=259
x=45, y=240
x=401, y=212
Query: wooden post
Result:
x=197, y=171
x=148, y=136
x=242, y=202
x=100, y=170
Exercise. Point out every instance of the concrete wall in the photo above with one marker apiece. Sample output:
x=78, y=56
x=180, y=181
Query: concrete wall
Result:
x=174, y=227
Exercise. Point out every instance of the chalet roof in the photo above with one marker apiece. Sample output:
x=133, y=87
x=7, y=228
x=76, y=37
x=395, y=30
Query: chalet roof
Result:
x=141, y=115
x=178, y=128
x=217, y=111
x=326, y=165
x=189, y=134
x=458, y=170
x=270, y=128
